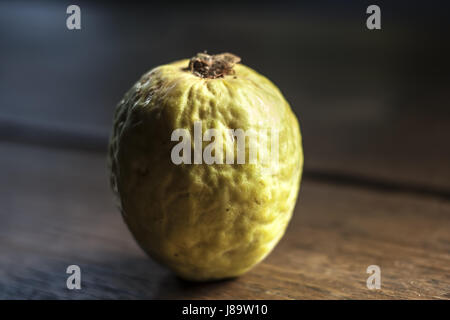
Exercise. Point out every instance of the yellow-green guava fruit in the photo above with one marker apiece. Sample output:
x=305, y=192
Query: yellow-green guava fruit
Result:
x=205, y=221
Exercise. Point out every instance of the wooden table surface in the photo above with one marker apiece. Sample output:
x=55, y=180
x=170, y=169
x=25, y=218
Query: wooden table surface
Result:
x=57, y=210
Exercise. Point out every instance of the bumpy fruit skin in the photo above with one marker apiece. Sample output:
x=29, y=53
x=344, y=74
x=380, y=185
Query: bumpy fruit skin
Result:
x=204, y=222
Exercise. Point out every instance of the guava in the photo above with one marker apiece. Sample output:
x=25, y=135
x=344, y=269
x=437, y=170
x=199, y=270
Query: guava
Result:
x=205, y=221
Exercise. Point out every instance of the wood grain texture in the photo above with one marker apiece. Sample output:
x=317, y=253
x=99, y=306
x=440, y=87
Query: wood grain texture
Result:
x=56, y=209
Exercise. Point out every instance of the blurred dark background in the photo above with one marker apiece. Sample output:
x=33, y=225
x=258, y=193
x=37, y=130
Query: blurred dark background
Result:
x=374, y=108
x=372, y=104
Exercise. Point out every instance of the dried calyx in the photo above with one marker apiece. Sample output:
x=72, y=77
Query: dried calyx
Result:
x=213, y=66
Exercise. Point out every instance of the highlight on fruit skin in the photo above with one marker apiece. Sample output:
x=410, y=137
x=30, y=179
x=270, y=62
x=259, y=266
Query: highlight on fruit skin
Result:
x=204, y=221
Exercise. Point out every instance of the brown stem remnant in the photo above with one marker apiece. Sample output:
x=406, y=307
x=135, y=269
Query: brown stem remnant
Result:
x=214, y=66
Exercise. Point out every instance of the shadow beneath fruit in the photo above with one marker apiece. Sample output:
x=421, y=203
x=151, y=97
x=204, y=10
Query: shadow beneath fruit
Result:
x=125, y=275
x=139, y=277
x=173, y=287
